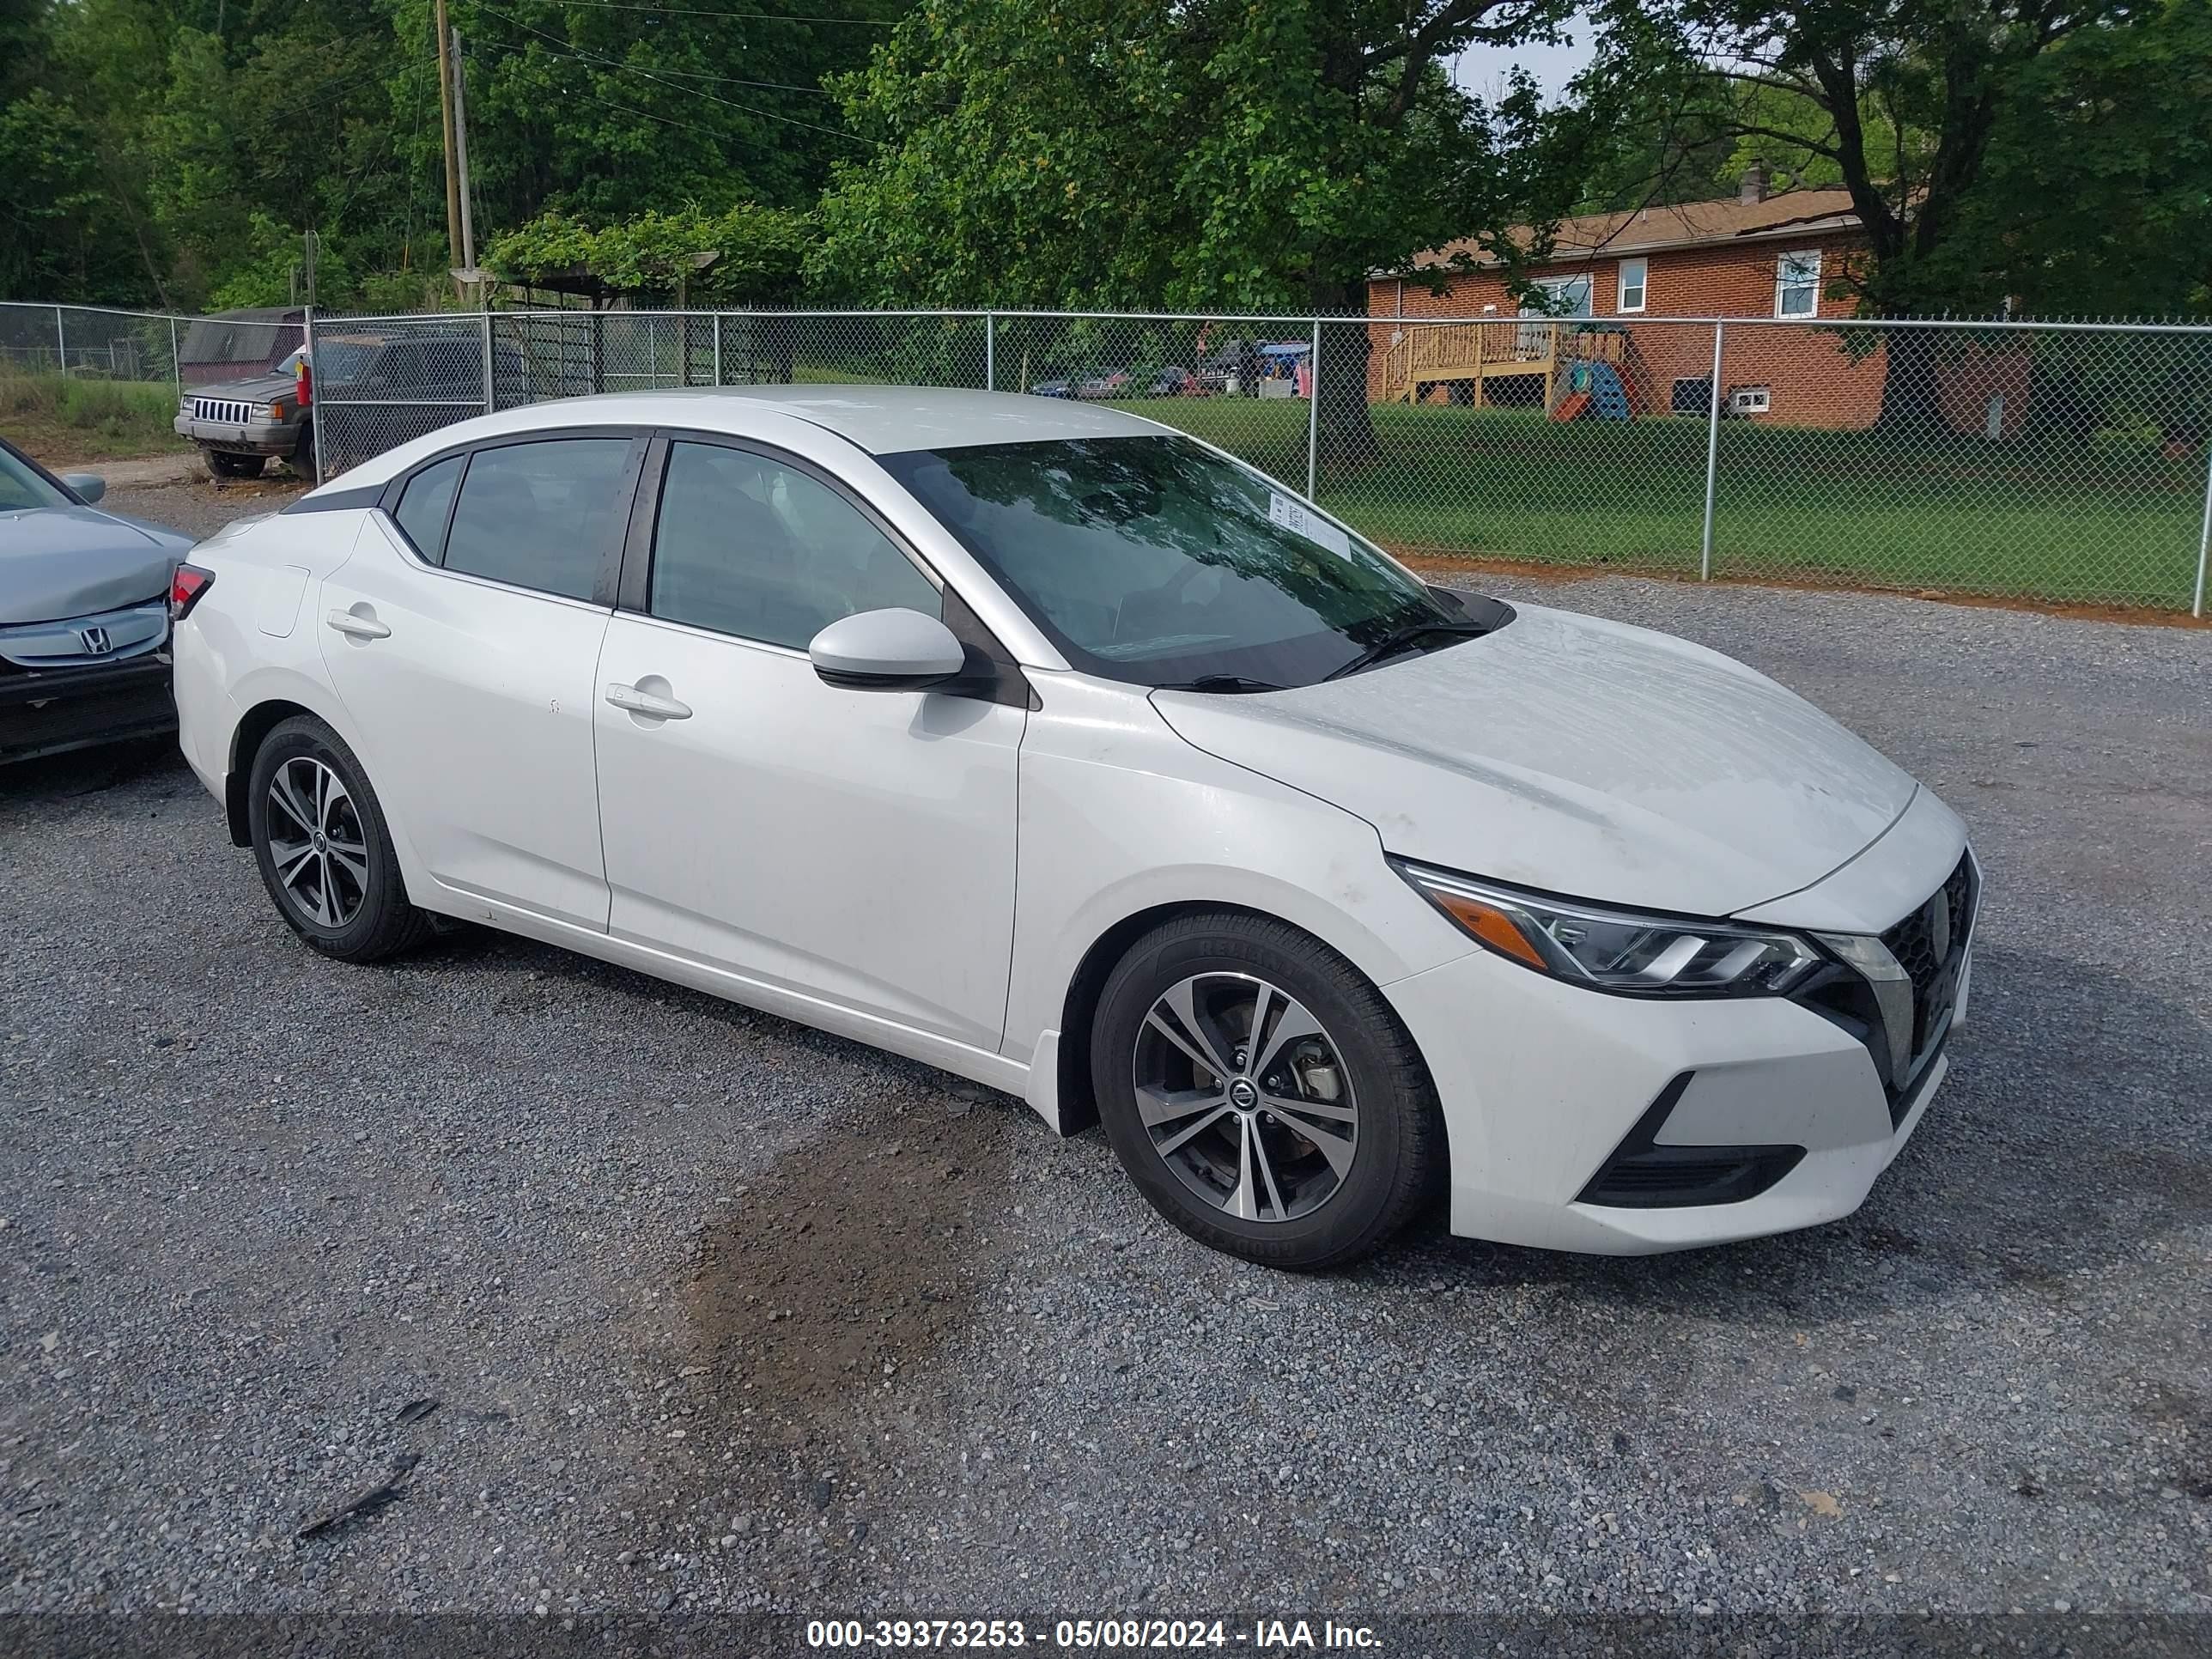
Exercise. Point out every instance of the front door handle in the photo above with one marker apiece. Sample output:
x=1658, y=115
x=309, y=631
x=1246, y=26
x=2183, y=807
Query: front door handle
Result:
x=357, y=627
x=639, y=702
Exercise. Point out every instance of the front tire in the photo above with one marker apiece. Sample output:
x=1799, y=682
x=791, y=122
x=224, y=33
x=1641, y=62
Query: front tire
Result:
x=324, y=848
x=1262, y=1093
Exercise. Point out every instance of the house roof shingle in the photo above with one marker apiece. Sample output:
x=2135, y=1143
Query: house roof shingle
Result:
x=1692, y=223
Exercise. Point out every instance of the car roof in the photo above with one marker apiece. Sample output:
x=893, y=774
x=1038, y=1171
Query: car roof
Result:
x=883, y=420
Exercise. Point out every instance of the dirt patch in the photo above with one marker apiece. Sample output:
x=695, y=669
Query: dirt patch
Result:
x=803, y=1381
x=1439, y=564
x=848, y=1267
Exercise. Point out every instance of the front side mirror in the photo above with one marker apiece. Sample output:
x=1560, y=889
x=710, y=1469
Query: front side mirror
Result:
x=89, y=485
x=895, y=650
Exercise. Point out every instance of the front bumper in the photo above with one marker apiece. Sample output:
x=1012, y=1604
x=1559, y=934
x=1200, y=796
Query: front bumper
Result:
x=43, y=713
x=262, y=438
x=1541, y=1084
x=1620, y=1125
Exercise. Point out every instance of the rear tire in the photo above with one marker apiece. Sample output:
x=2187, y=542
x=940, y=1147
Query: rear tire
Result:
x=324, y=848
x=1322, y=1134
x=225, y=466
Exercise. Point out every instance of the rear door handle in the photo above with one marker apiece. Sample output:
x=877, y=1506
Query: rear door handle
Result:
x=357, y=627
x=645, y=702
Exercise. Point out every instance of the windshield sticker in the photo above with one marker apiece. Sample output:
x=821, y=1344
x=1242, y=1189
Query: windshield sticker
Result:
x=1302, y=520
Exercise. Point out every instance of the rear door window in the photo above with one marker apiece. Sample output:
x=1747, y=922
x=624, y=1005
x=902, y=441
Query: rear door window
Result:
x=426, y=503
x=542, y=515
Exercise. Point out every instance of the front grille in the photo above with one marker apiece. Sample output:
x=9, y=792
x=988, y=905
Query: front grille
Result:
x=225, y=409
x=1935, y=977
x=1933, y=958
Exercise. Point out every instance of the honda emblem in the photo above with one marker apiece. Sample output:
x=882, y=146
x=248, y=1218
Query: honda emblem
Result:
x=96, y=642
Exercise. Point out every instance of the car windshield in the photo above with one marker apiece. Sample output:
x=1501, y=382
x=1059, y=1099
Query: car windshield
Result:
x=1157, y=561
x=20, y=487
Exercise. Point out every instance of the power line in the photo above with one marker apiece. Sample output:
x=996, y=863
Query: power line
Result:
x=345, y=81
x=648, y=115
x=694, y=91
x=617, y=63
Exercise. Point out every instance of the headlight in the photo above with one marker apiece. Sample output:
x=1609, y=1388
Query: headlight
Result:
x=1619, y=950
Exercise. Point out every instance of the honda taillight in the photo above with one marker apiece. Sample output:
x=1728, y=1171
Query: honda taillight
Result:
x=186, y=589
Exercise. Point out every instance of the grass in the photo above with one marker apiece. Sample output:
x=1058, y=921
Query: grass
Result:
x=2102, y=522
x=61, y=420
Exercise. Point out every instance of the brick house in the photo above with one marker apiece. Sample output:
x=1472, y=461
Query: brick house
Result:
x=1758, y=255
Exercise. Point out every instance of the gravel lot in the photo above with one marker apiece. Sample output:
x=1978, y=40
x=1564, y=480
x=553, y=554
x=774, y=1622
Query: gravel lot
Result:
x=719, y=1312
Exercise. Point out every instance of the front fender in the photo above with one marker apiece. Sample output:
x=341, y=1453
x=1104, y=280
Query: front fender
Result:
x=1120, y=817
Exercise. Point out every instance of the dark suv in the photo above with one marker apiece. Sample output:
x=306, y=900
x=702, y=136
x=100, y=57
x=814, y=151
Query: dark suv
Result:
x=399, y=388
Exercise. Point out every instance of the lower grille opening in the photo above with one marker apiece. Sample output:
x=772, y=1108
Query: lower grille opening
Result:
x=1642, y=1175
x=1672, y=1176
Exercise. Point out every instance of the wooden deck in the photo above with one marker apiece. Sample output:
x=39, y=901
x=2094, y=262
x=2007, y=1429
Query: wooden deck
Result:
x=1432, y=354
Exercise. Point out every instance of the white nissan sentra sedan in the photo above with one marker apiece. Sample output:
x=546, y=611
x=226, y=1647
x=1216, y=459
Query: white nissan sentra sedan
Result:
x=1065, y=752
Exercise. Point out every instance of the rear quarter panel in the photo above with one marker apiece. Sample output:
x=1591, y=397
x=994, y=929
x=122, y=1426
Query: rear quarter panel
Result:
x=251, y=639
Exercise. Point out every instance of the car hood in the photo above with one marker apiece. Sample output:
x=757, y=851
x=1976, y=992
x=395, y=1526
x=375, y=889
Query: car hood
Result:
x=1577, y=755
x=58, y=561
x=257, y=389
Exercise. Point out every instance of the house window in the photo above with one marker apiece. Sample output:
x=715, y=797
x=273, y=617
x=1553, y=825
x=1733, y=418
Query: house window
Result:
x=1633, y=276
x=1750, y=399
x=1562, y=297
x=1798, y=284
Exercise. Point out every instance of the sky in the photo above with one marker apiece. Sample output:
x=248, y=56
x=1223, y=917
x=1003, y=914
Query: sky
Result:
x=1481, y=70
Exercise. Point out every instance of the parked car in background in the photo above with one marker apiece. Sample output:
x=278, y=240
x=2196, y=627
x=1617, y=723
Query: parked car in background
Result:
x=1103, y=383
x=1172, y=382
x=1233, y=366
x=416, y=383
x=1062, y=387
x=406, y=386
x=1231, y=831
x=84, y=621
x=239, y=425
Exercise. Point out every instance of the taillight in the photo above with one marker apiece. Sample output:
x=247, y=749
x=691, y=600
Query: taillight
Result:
x=186, y=589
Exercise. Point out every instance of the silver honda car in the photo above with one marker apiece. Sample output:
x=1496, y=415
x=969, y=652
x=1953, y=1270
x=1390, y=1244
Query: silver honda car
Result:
x=84, y=618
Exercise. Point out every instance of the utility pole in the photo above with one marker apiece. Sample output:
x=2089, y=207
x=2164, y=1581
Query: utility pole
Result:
x=461, y=158
x=446, y=104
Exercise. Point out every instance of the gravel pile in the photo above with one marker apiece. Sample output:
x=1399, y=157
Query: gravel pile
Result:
x=549, y=1288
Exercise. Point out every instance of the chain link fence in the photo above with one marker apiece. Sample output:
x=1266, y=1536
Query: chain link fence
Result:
x=2042, y=461
x=105, y=381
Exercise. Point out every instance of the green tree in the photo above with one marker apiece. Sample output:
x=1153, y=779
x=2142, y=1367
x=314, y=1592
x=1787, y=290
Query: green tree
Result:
x=604, y=114
x=745, y=256
x=58, y=237
x=2096, y=193
x=1200, y=154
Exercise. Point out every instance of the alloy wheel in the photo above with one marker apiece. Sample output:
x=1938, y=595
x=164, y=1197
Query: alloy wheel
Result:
x=1245, y=1097
x=317, y=843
